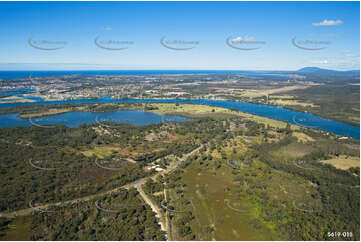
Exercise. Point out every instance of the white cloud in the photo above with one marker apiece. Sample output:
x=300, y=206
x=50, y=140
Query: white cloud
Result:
x=320, y=62
x=245, y=39
x=328, y=23
x=237, y=39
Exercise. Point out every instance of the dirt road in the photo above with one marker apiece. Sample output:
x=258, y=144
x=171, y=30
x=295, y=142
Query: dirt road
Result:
x=27, y=211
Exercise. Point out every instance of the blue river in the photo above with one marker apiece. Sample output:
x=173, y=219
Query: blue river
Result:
x=279, y=113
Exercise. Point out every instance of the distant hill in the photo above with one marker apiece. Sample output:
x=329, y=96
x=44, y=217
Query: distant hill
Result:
x=316, y=71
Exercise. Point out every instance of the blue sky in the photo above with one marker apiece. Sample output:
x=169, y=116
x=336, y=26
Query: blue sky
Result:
x=72, y=27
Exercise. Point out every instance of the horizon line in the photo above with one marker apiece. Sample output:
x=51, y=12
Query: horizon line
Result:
x=178, y=69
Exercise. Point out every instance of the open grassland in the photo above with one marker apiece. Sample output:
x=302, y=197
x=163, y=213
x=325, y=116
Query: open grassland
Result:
x=225, y=202
x=209, y=195
x=264, y=91
x=186, y=108
x=282, y=102
x=267, y=121
x=343, y=162
x=15, y=99
x=194, y=110
x=302, y=137
x=294, y=150
x=281, y=97
x=107, y=151
x=101, y=151
x=19, y=229
x=51, y=111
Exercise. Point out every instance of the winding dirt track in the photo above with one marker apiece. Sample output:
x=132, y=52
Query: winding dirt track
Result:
x=163, y=221
x=155, y=209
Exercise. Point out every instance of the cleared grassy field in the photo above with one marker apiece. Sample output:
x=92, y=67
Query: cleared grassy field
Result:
x=222, y=203
x=193, y=109
x=281, y=96
x=267, y=121
x=101, y=151
x=344, y=162
x=293, y=150
x=106, y=151
x=15, y=99
x=291, y=102
x=186, y=108
x=209, y=195
x=302, y=137
x=51, y=111
x=18, y=230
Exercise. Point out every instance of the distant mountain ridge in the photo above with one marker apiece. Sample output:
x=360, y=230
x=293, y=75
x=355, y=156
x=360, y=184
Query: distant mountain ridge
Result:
x=322, y=72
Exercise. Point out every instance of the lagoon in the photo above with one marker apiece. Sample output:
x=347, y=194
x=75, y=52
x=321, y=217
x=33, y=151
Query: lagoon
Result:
x=74, y=119
x=279, y=113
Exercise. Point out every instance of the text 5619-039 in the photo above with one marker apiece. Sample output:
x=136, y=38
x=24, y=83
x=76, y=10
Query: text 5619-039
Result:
x=339, y=234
